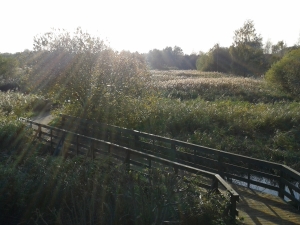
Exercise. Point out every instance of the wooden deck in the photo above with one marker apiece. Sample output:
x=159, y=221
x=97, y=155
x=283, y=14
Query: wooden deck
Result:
x=256, y=207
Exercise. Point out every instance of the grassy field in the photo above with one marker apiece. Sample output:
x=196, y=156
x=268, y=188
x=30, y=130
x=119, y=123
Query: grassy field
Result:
x=242, y=115
x=213, y=86
x=37, y=188
x=235, y=114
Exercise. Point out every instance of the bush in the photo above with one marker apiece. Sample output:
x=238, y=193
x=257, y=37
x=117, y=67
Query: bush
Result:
x=286, y=73
x=13, y=134
x=81, y=68
x=7, y=67
x=47, y=190
x=16, y=104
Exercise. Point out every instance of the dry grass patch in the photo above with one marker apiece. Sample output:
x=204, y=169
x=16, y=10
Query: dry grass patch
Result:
x=212, y=86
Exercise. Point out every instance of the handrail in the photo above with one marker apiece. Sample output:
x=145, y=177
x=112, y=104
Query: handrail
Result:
x=281, y=178
x=234, y=196
x=179, y=143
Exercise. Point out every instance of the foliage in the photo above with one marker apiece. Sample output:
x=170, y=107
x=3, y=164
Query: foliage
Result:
x=246, y=35
x=43, y=189
x=244, y=57
x=170, y=58
x=81, y=68
x=7, y=67
x=268, y=47
x=240, y=115
x=246, y=51
x=12, y=133
x=247, y=61
x=279, y=47
x=16, y=104
x=285, y=73
x=217, y=59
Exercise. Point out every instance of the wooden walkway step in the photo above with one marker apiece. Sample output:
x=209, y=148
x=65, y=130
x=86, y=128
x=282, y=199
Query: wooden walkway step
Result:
x=256, y=207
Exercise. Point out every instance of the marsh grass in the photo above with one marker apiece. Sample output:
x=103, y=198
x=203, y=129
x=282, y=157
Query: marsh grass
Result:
x=240, y=115
x=16, y=104
x=268, y=131
x=212, y=86
x=46, y=190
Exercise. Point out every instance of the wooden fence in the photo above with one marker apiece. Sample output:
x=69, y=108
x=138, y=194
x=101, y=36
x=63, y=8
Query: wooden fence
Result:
x=66, y=142
x=247, y=171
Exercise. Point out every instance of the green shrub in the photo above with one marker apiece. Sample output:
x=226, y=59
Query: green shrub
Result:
x=286, y=73
x=47, y=190
x=12, y=133
x=19, y=105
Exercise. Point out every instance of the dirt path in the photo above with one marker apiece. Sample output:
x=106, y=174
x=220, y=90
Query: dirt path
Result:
x=43, y=118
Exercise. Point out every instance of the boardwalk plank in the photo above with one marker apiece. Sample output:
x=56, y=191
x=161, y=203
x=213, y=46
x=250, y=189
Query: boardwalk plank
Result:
x=256, y=207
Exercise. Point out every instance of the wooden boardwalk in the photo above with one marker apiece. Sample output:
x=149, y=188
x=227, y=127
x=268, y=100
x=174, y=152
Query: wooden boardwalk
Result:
x=256, y=207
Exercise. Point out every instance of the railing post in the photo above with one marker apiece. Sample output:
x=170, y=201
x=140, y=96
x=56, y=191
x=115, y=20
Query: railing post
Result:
x=118, y=135
x=233, y=210
x=220, y=166
x=63, y=147
x=51, y=141
x=77, y=144
x=176, y=170
x=127, y=160
x=214, y=185
x=249, y=174
x=281, y=185
x=40, y=131
x=92, y=149
x=136, y=141
x=173, y=151
x=107, y=135
x=149, y=163
x=109, y=149
x=153, y=145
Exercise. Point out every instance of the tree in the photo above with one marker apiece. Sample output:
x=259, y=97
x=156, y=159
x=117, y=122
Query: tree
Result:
x=8, y=66
x=246, y=51
x=81, y=68
x=203, y=62
x=177, y=51
x=155, y=59
x=278, y=48
x=268, y=47
x=170, y=58
x=217, y=59
x=286, y=74
x=188, y=62
x=246, y=35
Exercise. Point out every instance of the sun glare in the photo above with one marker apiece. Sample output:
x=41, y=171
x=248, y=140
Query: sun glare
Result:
x=142, y=26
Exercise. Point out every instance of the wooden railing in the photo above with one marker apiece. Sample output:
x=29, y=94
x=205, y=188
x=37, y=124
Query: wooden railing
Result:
x=66, y=142
x=247, y=171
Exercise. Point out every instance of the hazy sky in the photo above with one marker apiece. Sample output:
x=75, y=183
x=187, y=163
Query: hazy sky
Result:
x=142, y=25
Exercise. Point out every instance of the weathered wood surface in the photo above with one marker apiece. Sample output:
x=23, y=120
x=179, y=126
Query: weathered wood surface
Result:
x=260, y=208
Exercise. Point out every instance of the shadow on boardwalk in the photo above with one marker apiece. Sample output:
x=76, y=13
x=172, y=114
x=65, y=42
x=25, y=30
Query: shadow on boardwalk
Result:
x=260, y=208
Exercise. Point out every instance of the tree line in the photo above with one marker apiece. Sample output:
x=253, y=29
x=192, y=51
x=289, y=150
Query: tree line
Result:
x=247, y=56
x=171, y=58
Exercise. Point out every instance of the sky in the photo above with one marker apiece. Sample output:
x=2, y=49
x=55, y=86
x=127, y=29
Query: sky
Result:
x=142, y=25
